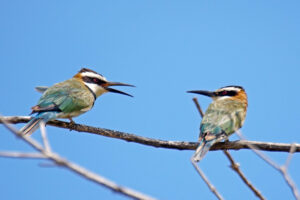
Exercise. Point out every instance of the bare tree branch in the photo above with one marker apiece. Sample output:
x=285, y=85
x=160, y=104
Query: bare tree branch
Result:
x=212, y=188
x=198, y=107
x=73, y=167
x=290, y=156
x=205, y=179
x=236, y=167
x=10, y=154
x=179, y=145
x=44, y=136
x=282, y=169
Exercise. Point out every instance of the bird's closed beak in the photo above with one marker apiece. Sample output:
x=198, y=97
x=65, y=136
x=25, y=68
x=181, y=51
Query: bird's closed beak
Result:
x=106, y=86
x=203, y=92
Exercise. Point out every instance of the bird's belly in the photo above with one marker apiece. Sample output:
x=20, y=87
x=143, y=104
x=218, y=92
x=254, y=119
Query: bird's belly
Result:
x=70, y=115
x=74, y=113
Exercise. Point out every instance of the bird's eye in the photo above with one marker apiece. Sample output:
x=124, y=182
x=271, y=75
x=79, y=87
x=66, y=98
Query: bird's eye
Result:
x=95, y=80
x=224, y=92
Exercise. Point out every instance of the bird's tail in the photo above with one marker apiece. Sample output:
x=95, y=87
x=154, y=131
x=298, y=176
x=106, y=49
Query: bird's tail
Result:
x=202, y=149
x=34, y=123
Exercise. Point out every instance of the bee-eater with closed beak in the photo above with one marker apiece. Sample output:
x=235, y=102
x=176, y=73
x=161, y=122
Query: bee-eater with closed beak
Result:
x=70, y=98
x=225, y=115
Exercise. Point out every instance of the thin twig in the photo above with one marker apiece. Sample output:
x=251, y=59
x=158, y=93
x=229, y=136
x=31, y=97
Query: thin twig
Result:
x=205, y=179
x=212, y=188
x=290, y=156
x=44, y=136
x=179, y=145
x=287, y=178
x=236, y=167
x=282, y=169
x=198, y=107
x=260, y=154
x=10, y=154
x=78, y=169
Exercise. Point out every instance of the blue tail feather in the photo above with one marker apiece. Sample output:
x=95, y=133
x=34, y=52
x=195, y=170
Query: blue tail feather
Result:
x=202, y=149
x=34, y=123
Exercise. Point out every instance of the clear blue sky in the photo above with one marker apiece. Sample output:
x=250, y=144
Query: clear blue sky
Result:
x=164, y=48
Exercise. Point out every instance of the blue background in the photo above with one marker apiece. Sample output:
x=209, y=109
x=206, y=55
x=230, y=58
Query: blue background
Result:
x=164, y=48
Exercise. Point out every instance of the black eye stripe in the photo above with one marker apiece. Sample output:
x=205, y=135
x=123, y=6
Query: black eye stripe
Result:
x=93, y=80
x=227, y=93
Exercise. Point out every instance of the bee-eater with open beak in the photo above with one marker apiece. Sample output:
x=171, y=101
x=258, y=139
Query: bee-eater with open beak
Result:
x=225, y=115
x=70, y=98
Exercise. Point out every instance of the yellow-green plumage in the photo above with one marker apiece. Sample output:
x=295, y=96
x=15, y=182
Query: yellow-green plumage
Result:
x=71, y=97
x=224, y=116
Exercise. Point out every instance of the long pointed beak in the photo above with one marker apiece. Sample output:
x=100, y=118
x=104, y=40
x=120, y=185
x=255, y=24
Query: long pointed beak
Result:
x=203, y=92
x=106, y=86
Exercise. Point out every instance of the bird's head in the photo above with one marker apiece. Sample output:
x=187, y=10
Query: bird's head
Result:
x=98, y=83
x=232, y=92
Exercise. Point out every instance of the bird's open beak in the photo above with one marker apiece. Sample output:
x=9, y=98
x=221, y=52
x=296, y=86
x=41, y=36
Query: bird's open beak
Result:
x=106, y=86
x=203, y=92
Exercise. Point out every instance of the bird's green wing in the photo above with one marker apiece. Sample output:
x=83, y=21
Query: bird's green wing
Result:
x=68, y=96
x=222, y=118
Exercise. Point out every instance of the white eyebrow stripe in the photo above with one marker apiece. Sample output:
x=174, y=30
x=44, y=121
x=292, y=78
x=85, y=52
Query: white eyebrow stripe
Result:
x=91, y=74
x=230, y=89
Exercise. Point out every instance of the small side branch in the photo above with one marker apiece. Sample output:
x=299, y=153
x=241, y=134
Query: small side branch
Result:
x=9, y=154
x=44, y=136
x=236, y=167
x=282, y=169
x=207, y=182
x=198, y=107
